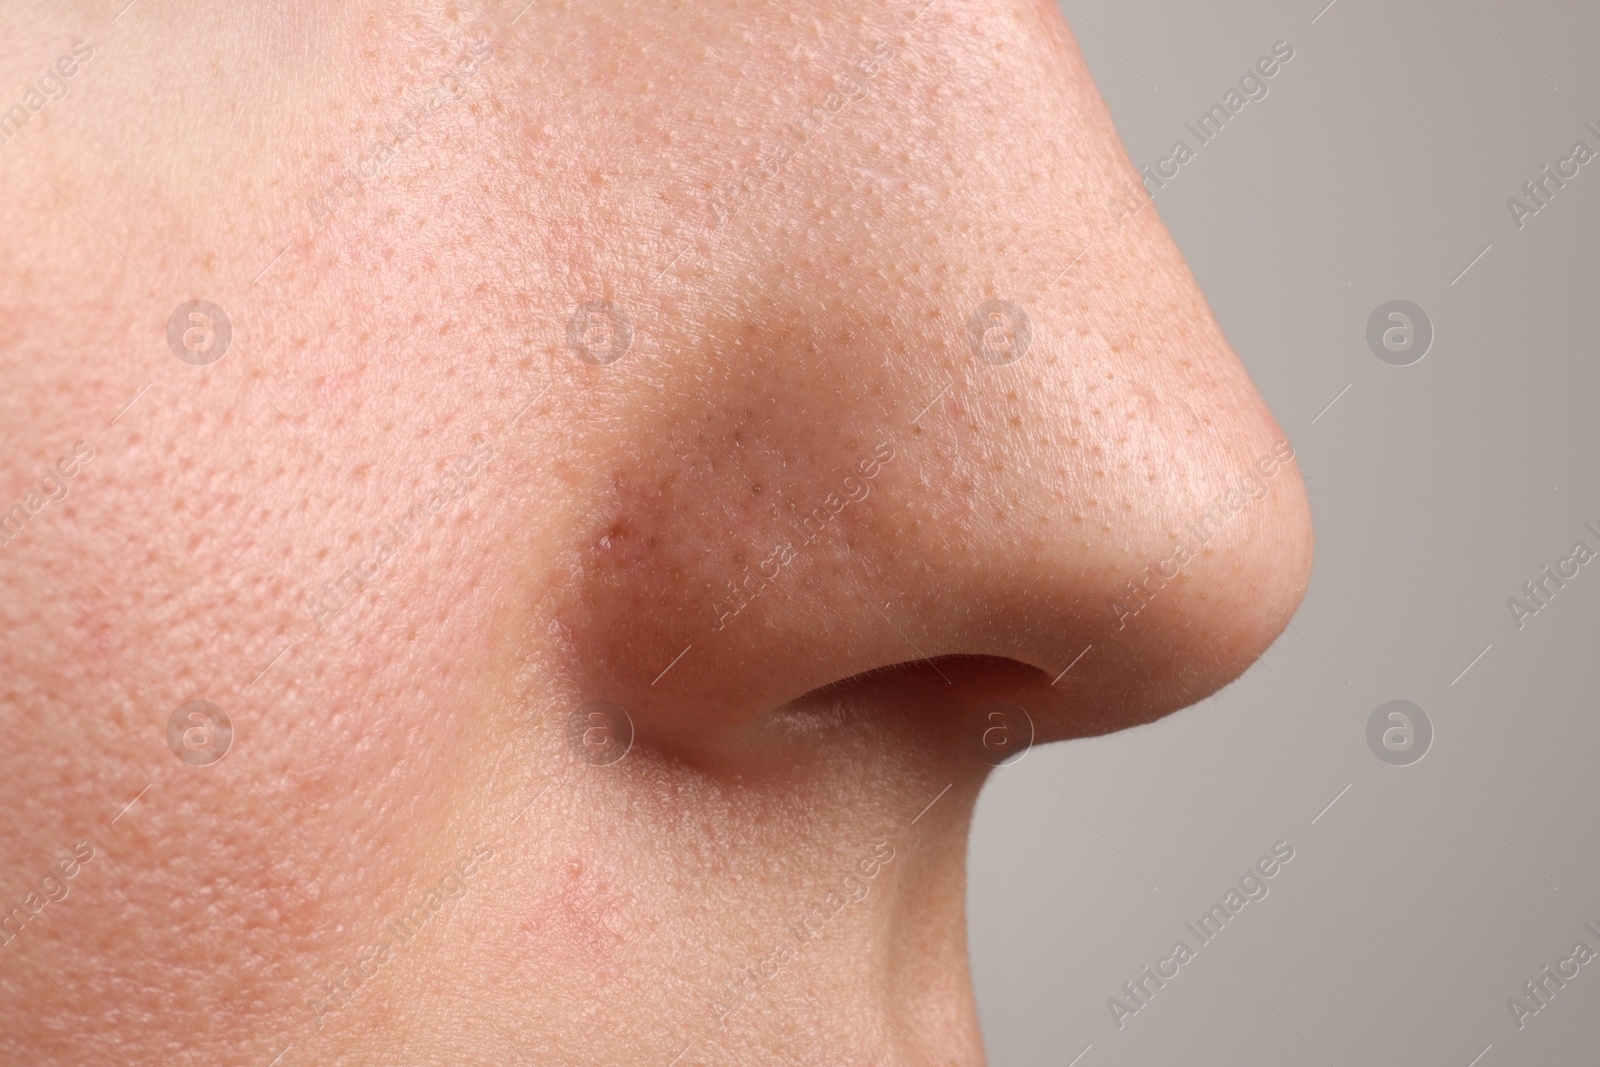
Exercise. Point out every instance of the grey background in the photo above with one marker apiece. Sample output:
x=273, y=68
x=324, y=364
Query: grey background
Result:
x=1378, y=168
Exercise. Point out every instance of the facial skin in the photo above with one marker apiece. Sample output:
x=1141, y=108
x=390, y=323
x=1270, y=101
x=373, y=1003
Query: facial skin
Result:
x=797, y=242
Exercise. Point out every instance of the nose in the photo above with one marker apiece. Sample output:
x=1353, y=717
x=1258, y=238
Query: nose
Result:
x=974, y=422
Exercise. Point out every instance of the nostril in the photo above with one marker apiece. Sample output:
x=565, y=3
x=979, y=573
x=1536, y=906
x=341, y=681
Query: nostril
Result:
x=970, y=713
x=939, y=679
x=924, y=705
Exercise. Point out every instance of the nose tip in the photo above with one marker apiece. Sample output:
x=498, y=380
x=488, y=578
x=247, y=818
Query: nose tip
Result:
x=1211, y=586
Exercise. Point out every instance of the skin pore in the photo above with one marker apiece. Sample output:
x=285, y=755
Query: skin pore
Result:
x=810, y=529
